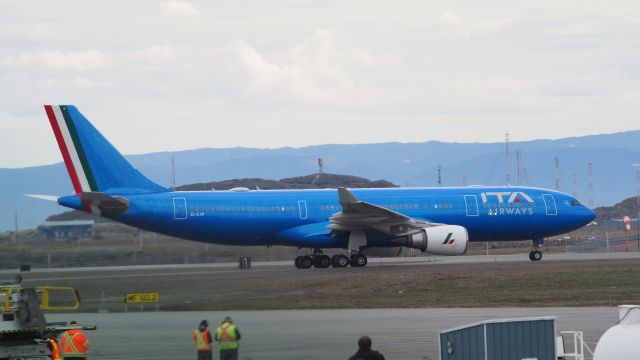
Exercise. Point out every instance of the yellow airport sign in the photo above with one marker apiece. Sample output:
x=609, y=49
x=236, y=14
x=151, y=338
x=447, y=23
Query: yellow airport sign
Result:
x=142, y=298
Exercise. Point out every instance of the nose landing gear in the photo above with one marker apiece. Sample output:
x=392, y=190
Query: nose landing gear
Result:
x=536, y=254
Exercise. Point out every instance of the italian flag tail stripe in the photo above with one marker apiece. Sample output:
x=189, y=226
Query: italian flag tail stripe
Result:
x=71, y=149
x=78, y=147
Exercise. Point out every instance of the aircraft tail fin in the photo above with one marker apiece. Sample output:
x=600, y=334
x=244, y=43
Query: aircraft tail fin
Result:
x=94, y=165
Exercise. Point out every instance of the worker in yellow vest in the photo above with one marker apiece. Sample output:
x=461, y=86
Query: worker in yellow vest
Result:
x=202, y=340
x=227, y=336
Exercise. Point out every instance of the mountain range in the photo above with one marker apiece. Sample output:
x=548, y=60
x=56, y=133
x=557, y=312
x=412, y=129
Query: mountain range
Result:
x=613, y=157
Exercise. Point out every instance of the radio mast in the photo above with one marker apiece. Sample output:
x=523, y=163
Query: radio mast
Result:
x=506, y=162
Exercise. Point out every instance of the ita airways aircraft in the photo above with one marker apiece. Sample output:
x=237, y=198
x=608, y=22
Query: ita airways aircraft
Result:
x=358, y=222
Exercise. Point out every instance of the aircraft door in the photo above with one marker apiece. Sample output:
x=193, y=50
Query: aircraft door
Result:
x=179, y=208
x=302, y=209
x=471, y=202
x=550, y=204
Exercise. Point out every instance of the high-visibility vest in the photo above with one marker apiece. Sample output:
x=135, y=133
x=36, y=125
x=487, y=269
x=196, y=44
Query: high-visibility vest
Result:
x=201, y=339
x=74, y=344
x=55, y=349
x=227, y=336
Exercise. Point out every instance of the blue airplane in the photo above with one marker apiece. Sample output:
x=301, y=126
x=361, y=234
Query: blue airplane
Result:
x=435, y=220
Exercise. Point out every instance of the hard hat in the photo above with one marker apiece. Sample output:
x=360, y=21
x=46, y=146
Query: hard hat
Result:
x=227, y=320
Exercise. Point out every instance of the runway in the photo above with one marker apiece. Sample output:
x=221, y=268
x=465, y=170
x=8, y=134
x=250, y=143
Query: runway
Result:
x=395, y=261
x=312, y=334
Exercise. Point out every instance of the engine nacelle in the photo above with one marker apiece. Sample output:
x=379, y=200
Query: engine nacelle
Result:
x=439, y=240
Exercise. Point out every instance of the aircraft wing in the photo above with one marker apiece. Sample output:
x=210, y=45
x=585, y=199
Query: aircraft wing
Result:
x=361, y=215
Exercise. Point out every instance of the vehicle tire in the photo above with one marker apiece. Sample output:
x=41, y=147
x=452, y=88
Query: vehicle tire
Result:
x=537, y=255
x=297, y=261
x=531, y=256
x=305, y=262
x=340, y=261
x=358, y=260
x=322, y=261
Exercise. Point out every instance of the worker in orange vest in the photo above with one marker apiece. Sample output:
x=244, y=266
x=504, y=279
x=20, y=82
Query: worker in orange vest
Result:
x=203, y=341
x=53, y=345
x=74, y=344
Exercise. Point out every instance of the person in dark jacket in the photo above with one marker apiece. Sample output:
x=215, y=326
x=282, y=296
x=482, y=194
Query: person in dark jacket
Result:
x=365, y=352
x=203, y=341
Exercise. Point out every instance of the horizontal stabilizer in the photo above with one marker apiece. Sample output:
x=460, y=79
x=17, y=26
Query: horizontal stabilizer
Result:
x=105, y=204
x=43, y=197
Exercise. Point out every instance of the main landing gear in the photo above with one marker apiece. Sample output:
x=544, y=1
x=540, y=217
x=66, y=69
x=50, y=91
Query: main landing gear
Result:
x=536, y=254
x=319, y=260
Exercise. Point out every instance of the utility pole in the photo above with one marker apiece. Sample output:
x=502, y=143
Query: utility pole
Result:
x=320, y=166
x=15, y=218
x=439, y=175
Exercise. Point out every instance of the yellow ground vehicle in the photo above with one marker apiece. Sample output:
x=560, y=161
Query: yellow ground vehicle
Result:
x=24, y=330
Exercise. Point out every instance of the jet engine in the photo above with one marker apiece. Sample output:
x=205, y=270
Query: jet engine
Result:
x=439, y=240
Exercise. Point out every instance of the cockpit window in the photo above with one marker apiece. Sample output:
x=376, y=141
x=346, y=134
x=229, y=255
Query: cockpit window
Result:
x=575, y=202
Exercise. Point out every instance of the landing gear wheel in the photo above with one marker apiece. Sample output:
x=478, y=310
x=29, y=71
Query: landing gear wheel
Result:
x=322, y=261
x=297, y=261
x=305, y=262
x=535, y=255
x=358, y=260
x=340, y=261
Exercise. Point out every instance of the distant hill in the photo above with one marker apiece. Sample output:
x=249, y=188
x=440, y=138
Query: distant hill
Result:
x=313, y=181
x=413, y=164
x=627, y=207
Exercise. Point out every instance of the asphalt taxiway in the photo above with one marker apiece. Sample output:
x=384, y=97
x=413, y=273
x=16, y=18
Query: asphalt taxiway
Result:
x=312, y=334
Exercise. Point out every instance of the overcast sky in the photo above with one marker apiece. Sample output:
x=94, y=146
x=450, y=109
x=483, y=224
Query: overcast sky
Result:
x=174, y=75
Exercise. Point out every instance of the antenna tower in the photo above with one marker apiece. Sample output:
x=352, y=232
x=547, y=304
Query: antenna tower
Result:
x=518, y=159
x=575, y=185
x=173, y=172
x=320, y=166
x=557, y=173
x=590, y=175
x=506, y=161
x=439, y=175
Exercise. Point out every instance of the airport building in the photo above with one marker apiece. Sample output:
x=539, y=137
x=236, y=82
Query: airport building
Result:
x=66, y=229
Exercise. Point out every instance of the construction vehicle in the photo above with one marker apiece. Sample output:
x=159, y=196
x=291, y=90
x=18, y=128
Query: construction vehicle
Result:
x=24, y=331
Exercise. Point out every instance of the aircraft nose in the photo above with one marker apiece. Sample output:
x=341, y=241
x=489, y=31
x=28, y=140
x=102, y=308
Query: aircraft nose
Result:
x=590, y=215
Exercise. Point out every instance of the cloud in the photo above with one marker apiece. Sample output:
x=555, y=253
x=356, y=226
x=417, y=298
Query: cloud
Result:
x=85, y=83
x=154, y=54
x=183, y=8
x=324, y=68
x=60, y=60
